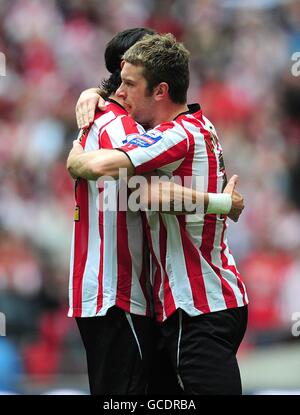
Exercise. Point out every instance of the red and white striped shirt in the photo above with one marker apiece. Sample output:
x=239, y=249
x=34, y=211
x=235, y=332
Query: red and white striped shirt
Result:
x=193, y=266
x=107, y=265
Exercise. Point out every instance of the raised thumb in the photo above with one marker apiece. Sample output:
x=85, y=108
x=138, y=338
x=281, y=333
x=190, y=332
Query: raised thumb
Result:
x=232, y=182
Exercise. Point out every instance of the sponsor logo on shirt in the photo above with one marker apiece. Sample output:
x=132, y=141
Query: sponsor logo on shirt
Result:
x=84, y=132
x=77, y=214
x=145, y=140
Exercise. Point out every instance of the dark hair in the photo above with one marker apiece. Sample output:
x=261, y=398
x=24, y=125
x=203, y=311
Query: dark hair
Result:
x=114, y=52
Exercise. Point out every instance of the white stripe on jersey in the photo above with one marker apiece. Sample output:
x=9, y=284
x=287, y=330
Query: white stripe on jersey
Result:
x=120, y=138
x=195, y=223
x=216, y=259
x=110, y=265
x=153, y=220
x=213, y=287
x=70, y=312
x=176, y=135
x=200, y=161
x=178, y=270
x=90, y=275
x=135, y=241
x=175, y=264
x=111, y=131
x=231, y=262
x=169, y=168
x=104, y=119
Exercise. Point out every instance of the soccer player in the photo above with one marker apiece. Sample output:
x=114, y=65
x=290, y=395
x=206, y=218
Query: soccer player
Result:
x=199, y=297
x=108, y=286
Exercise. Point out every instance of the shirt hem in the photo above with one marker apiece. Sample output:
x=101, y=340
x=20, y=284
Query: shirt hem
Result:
x=124, y=305
x=196, y=310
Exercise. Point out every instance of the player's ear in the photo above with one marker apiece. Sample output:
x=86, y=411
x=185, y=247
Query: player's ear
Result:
x=161, y=91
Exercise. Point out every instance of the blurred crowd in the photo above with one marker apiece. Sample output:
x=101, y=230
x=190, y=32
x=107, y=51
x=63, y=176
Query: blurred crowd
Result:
x=241, y=60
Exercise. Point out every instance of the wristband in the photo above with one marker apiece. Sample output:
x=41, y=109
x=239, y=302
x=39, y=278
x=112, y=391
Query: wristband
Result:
x=219, y=203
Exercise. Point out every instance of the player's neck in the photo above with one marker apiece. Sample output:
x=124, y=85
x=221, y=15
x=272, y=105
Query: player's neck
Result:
x=167, y=113
x=117, y=99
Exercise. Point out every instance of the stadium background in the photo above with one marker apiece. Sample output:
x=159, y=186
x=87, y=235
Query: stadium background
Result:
x=241, y=73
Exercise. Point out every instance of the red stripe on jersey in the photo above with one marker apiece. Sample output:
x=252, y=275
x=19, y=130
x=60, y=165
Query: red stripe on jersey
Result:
x=172, y=154
x=169, y=304
x=80, y=245
x=110, y=106
x=191, y=253
x=129, y=125
x=157, y=277
x=209, y=227
x=84, y=136
x=185, y=169
x=124, y=280
x=144, y=277
x=165, y=126
x=194, y=271
x=117, y=111
x=101, y=234
x=104, y=141
x=231, y=268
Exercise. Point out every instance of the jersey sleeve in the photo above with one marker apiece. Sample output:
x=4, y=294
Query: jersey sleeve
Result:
x=156, y=148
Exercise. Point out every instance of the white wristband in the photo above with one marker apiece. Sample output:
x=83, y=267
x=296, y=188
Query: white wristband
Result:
x=219, y=203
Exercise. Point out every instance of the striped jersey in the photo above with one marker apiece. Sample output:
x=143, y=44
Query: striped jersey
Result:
x=107, y=263
x=193, y=267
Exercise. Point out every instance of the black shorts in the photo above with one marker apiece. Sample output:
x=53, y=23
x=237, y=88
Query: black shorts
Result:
x=119, y=349
x=125, y=355
x=163, y=378
x=203, y=350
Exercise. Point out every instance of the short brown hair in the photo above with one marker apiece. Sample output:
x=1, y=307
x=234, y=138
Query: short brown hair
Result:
x=164, y=60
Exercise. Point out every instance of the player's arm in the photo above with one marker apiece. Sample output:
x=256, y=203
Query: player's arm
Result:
x=104, y=162
x=94, y=164
x=91, y=165
x=171, y=198
x=155, y=149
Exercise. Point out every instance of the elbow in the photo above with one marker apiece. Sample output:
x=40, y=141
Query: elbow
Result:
x=94, y=169
x=86, y=169
x=68, y=164
x=70, y=169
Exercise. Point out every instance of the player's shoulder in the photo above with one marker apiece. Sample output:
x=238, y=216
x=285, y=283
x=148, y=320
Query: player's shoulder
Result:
x=208, y=124
x=169, y=127
x=108, y=115
x=111, y=108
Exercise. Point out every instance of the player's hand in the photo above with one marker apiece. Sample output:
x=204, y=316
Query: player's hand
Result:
x=86, y=106
x=77, y=147
x=236, y=197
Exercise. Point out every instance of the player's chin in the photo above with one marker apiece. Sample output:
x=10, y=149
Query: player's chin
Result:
x=128, y=108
